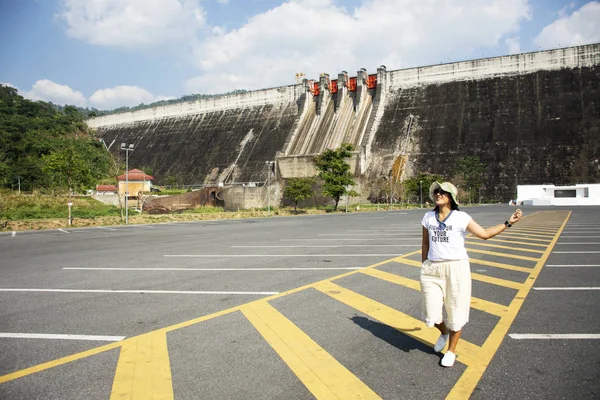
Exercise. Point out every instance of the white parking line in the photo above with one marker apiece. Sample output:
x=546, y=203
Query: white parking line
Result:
x=554, y=336
x=575, y=252
x=328, y=245
x=322, y=240
x=63, y=337
x=276, y=255
x=581, y=229
x=62, y=230
x=108, y=229
x=567, y=288
x=571, y=266
x=579, y=243
x=567, y=236
x=131, y=291
x=399, y=231
x=386, y=217
x=367, y=234
x=211, y=269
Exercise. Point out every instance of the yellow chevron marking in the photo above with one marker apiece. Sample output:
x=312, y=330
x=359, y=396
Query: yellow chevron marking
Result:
x=407, y=261
x=484, y=278
x=525, y=237
x=467, y=352
x=494, y=253
x=516, y=242
x=322, y=374
x=535, y=230
x=499, y=246
x=144, y=369
x=479, y=304
x=469, y=379
x=548, y=233
x=499, y=265
x=496, y=281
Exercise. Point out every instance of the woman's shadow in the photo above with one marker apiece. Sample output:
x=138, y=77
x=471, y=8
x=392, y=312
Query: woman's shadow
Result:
x=393, y=336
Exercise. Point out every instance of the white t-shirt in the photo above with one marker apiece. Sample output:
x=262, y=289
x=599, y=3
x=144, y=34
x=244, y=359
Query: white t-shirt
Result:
x=449, y=243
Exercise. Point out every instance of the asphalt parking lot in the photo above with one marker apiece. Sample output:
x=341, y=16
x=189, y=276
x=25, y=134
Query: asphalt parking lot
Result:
x=296, y=308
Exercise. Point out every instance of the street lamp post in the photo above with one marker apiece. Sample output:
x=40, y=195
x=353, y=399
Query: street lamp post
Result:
x=269, y=166
x=421, y=187
x=127, y=148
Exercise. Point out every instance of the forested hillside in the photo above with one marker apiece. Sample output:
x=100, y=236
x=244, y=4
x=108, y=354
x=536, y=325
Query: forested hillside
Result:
x=45, y=148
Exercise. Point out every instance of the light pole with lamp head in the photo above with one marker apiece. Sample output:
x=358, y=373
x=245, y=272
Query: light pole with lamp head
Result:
x=127, y=148
x=269, y=167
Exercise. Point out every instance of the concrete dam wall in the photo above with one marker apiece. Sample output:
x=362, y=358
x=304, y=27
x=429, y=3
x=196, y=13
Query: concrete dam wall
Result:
x=531, y=118
x=225, y=139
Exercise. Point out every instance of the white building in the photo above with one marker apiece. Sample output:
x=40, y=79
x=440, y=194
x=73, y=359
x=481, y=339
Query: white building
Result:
x=550, y=195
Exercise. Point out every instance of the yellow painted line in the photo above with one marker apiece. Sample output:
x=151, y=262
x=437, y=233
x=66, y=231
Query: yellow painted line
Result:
x=479, y=304
x=525, y=238
x=506, y=255
x=57, y=362
x=499, y=246
x=489, y=306
x=516, y=242
x=541, y=226
x=144, y=369
x=529, y=236
x=322, y=374
x=466, y=384
x=549, y=236
x=100, y=349
x=496, y=281
x=415, y=263
x=468, y=352
x=393, y=278
x=535, y=230
x=407, y=261
x=500, y=265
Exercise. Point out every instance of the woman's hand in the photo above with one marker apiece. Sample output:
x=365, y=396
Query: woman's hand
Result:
x=516, y=217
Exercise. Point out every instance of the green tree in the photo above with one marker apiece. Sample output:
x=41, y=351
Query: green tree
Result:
x=335, y=172
x=419, y=185
x=36, y=136
x=468, y=174
x=297, y=189
x=81, y=163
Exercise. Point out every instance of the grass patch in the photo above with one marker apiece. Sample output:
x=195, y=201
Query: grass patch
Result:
x=171, y=192
x=204, y=210
x=15, y=207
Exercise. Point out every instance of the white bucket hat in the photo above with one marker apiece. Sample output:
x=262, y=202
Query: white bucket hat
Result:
x=446, y=187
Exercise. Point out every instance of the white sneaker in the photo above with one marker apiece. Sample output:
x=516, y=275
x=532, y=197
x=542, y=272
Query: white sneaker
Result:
x=448, y=359
x=441, y=343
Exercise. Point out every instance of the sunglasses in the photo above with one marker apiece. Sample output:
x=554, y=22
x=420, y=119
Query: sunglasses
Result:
x=440, y=191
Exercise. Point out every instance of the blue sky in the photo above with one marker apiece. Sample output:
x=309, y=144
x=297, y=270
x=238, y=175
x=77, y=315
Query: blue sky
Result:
x=111, y=53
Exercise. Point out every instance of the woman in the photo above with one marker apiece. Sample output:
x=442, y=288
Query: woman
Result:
x=445, y=270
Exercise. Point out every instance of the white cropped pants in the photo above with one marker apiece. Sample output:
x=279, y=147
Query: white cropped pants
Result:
x=446, y=286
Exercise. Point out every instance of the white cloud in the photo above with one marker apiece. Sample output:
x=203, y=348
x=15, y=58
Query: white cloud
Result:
x=581, y=27
x=119, y=96
x=315, y=36
x=132, y=24
x=513, y=44
x=47, y=90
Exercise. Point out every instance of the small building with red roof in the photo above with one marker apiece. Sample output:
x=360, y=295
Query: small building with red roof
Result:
x=137, y=182
x=106, y=190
